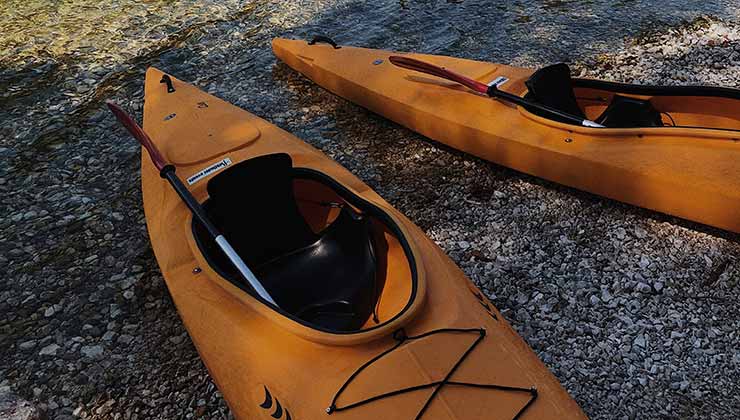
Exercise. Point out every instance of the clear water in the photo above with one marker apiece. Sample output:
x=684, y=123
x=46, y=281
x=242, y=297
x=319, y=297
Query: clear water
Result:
x=60, y=59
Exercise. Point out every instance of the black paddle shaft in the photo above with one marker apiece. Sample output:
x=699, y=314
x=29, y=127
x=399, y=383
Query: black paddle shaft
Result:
x=168, y=173
x=494, y=92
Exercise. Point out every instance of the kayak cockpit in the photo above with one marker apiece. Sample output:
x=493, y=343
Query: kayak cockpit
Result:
x=331, y=260
x=618, y=105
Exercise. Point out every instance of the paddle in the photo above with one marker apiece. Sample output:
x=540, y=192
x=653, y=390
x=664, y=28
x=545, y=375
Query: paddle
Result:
x=492, y=91
x=167, y=171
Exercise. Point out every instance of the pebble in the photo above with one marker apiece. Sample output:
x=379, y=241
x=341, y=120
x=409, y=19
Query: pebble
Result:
x=27, y=345
x=125, y=339
x=92, y=352
x=643, y=288
x=640, y=341
x=50, y=350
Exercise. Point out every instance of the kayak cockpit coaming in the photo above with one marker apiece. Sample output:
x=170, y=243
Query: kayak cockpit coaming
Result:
x=385, y=271
x=657, y=90
x=690, y=107
x=627, y=106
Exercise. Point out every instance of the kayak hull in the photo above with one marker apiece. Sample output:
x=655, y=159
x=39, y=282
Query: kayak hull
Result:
x=686, y=172
x=269, y=366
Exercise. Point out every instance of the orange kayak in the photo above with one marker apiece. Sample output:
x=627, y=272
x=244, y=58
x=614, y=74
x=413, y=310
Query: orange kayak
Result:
x=675, y=150
x=372, y=320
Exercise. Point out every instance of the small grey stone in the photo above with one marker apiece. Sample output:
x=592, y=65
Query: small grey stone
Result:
x=522, y=298
x=684, y=385
x=621, y=233
x=644, y=261
x=643, y=287
x=50, y=350
x=92, y=352
x=639, y=341
x=115, y=310
x=677, y=350
x=125, y=339
x=27, y=345
x=606, y=296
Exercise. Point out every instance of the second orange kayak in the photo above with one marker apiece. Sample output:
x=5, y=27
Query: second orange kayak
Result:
x=675, y=150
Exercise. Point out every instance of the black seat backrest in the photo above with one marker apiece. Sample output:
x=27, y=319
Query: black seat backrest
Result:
x=552, y=86
x=327, y=279
x=253, y=205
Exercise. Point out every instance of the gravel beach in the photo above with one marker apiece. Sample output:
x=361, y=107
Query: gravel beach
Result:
x=635, y=312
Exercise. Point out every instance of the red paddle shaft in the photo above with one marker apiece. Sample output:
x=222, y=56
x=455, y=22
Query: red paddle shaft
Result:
x=492, y=91
x=428, y=68
x=139, y=134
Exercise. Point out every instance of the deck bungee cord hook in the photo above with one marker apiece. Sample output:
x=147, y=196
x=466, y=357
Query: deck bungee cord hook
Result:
x=166, y=79
x=402, y=338
x=325, y=40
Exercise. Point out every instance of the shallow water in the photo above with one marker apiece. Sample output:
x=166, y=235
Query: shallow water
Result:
x=59, y=59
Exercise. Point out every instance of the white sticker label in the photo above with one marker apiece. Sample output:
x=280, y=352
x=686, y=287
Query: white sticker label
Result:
x=208, y=171
x=498, y=81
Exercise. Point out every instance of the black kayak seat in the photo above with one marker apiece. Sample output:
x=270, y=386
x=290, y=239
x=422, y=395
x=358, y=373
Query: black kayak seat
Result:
x=626, y=112
x=552, y=86
x=327, y=279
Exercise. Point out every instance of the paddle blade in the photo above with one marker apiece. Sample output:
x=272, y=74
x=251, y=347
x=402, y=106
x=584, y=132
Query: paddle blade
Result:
x=434, y=70
x=139, y=134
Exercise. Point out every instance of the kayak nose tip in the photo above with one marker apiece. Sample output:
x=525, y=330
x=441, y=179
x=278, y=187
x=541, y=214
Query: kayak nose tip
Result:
x=297, y=53
x=283, y=44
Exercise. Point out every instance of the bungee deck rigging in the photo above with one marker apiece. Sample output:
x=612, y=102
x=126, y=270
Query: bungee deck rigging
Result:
x=401, y=339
